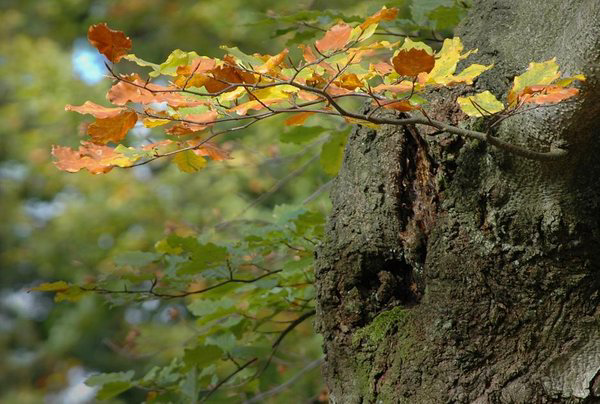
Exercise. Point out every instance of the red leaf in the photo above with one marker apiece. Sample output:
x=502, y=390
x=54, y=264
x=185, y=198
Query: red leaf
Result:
x=299, y=118
x=112, y=44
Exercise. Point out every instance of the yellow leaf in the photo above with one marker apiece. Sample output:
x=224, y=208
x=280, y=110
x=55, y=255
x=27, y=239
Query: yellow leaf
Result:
x=446, y=61
x=362, y=122
x=410, y=44
x=154, y=122
x=481, y=104
x=536, y=74
x=189, y=162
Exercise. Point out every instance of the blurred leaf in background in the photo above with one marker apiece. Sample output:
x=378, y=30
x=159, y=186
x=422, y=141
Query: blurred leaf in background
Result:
x=78, y=228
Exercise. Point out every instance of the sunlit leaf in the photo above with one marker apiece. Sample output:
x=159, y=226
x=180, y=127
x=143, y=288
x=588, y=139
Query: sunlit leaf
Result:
x=112, y=44
x=298, y=119
x=481, y=104
x=536, y=74
x=385, y=14
x=547, y=94
x=92, y=157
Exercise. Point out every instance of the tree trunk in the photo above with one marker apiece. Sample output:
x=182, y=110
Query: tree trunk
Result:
x=453, y=272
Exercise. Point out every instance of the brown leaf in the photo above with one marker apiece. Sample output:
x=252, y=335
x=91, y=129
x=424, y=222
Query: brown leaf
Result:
x=112, y=129
x=227, y=75
x=199, y=66
x=336, y=38
x=198, y=122
x=209, y=149
x=387, y=14
x=412, y=62
x=112, y=44
x=98, y=111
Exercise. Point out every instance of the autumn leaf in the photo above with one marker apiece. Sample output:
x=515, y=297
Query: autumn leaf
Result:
x=273, y=62
x=299, y=118
x=209, y=149
x=481, y=104
x=112, y=44
x=98, y=111
x=382, y=68
x=385, y=14
x=227, y=75
x=547, y=94
x=335, y=38
x=536, y=74
x=412, y=62
x=112, y=129
x=189, y=162
x=95, y=158
x=133, y=89
x=349, y=81
x=402, y=105
x=51, y=287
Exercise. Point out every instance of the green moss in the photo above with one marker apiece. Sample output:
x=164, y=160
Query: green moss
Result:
x=375, y=332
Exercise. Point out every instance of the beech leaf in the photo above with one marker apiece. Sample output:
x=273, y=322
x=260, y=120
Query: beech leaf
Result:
x=112, y=129
x=335, y=38
x=189, y=162
x=412, y=62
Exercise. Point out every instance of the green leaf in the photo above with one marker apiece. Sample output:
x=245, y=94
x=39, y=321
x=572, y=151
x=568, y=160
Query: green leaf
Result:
x=202, y=355
x=189, y=162
x=113, y=389
x=52, y=287
x=251, y=60
x=301, y=134
x=481, y=104
x=204, y=307
x=103, y=378
x=332, y=152
x=446, y=18
x=204, y=256
x=174, y=60
x=136, y=258
x=140, y=62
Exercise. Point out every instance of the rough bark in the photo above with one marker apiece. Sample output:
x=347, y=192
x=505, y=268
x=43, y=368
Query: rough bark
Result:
x=456, y=273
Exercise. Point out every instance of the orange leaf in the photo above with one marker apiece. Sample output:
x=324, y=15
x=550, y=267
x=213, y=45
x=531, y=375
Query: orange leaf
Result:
x=95, y=158
x=403, y=87
x=403, y=105
x=387, y=14
x=112, y=129
x=547, y=94
x=298, y=119
x=349, y=81
x=336, y=38
x=94, y=109
x=133, y=89
x=412, y=62
x=273, y=62
x=112, y=44
x=199, y=67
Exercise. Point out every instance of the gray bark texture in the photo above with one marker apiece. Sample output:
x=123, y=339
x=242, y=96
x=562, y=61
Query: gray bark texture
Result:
x=453, y=272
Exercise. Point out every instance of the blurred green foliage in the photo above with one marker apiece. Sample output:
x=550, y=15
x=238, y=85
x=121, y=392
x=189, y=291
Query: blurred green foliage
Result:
x=80, y=228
